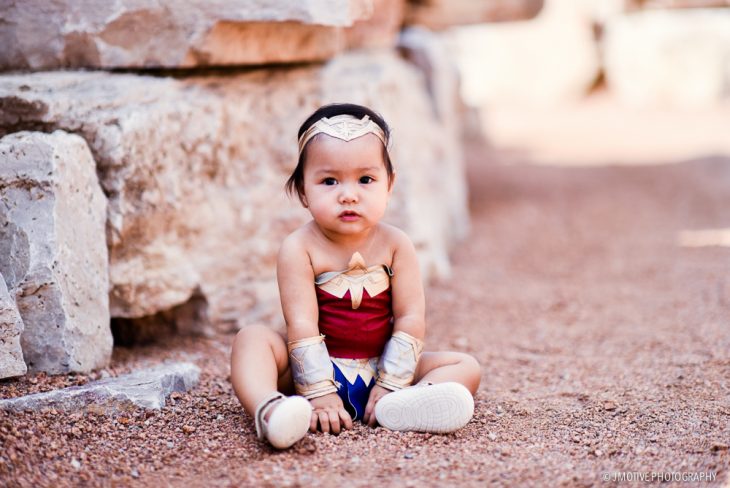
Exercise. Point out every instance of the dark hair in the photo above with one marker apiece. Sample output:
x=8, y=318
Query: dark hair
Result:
x=295, y=183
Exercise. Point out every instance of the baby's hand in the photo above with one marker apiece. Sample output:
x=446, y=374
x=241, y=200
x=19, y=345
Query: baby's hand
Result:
x=375, y=394
x=329, y=411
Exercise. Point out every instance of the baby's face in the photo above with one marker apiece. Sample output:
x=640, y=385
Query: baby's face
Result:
x=346, y=184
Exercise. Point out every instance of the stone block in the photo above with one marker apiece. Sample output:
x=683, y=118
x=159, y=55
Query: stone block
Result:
x=36, y=34
x=54, y=259
x=546, y=61
x=669, y=57
x=146, y=388
x=381, y=29
x=194, y=170
x=426, y=50
x=442, y=14
x=11, y=326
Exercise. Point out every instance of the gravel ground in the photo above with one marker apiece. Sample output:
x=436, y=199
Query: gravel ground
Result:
x=604, y=347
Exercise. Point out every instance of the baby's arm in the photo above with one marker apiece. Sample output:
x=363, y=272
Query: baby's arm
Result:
x=296, y=288
x=299, y=303
x=409, y=304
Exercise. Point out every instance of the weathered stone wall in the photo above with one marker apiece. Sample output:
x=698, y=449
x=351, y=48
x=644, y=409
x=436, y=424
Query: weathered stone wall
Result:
x=54, y=260
x=441, y=14
x=38, y=34
x=11, y=326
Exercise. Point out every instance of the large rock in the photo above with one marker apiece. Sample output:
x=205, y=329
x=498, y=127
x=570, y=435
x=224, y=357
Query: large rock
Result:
x=381, y=29
x=54, y=259
x=11, y=326
x=674, y=58
x=425, y=50
x=440, y=14
x=194, y=170
x=147, y=388
x=546, y=61
x=38, y=34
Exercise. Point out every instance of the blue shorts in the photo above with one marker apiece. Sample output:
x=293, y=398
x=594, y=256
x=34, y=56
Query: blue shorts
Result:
x=355, y=378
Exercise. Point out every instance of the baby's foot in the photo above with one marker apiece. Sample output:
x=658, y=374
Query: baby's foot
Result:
x=283, y=420
x=439, y=408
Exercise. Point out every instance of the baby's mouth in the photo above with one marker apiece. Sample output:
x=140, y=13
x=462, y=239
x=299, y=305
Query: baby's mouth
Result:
x=349, y=215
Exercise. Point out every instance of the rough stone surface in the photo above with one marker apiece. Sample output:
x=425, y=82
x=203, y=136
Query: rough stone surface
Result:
x=426, y=50
x=551, y=59
x=676, y=58
x=11, y=326
x=146, y=388
x=194, y=171
x=440, y=14
x=381, y=29
x=37, y=34
x=54, y=256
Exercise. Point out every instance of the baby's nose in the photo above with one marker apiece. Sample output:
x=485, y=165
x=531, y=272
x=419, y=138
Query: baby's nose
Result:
x=348, y=194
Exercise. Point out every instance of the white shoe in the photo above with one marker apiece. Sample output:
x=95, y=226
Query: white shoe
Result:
x=288, y=423
x=439, y=408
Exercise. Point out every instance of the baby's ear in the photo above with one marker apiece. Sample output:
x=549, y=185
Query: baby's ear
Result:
x=391, y=182
x=303, y=199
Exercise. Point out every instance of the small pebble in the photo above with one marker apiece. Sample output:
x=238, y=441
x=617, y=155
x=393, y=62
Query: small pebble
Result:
x=408, y=455
x=75, y=463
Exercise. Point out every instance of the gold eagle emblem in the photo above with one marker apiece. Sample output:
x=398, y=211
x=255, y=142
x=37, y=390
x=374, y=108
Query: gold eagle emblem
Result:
x=356, y=278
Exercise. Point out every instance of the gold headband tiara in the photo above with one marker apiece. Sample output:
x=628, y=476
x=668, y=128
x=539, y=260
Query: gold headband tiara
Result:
x=346, y=127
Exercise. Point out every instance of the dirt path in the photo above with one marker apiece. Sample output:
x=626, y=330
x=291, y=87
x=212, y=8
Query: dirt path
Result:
x=605, y=348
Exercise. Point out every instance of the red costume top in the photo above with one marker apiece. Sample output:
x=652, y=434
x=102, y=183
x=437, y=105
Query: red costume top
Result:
x=355, y=312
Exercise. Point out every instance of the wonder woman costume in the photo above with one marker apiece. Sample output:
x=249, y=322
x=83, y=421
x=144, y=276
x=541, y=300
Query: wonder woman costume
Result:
x=356, y=318
x=356, y=348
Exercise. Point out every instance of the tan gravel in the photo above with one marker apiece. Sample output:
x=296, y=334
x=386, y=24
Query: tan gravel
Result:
x=605, y=348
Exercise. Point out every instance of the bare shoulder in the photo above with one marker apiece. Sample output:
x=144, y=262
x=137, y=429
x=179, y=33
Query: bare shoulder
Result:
x=295, y=246
x=397, y=240
x=392, y=234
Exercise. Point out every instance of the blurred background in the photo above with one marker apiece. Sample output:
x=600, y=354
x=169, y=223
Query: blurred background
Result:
x=602, y=81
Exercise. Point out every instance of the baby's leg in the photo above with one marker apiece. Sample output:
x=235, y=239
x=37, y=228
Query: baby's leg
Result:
x=444, y=366
x=259, y=366
x=445, y=406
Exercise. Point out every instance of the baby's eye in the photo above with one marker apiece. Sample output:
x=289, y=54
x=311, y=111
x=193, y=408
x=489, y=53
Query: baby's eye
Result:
x=366, y=179
x=329, y=181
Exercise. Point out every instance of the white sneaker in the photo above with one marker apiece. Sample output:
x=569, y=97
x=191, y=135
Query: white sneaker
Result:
x=439, y=408
x=288, y=423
